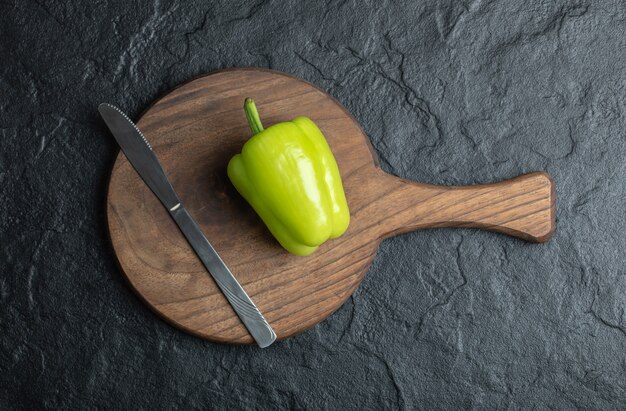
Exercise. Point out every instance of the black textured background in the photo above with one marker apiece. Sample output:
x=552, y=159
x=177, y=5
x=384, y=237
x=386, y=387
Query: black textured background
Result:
x=450, y=92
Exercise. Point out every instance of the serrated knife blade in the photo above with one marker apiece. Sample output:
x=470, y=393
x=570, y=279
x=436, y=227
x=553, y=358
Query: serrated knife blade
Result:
x=139, y=153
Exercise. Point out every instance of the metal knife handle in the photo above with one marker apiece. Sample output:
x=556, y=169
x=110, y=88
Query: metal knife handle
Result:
x=250, y=315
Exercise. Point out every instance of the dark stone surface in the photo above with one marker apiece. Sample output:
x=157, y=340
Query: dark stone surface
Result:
x=450, y=92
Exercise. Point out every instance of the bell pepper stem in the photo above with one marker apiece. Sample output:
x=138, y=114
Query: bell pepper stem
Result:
x=253, y=116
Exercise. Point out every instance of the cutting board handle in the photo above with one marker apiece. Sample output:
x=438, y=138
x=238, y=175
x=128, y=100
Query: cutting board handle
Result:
x=523, y=207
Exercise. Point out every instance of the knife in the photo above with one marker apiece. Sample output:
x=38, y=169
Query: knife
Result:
x=140, y=155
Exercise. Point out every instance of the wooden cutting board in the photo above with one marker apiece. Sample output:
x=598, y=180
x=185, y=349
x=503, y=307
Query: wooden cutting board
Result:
x=198, y=127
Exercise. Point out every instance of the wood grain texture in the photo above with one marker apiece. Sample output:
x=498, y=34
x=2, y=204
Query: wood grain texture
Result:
x=198, y=127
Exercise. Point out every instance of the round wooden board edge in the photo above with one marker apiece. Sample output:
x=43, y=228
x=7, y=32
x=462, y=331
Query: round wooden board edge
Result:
x=108, y=211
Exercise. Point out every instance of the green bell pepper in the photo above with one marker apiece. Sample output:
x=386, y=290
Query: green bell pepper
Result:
x=290, y=177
